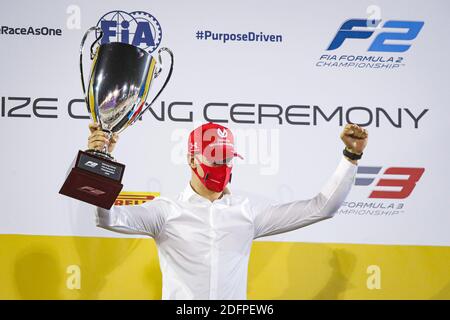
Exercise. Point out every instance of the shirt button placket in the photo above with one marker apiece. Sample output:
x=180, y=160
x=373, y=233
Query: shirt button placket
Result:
x=213, y=248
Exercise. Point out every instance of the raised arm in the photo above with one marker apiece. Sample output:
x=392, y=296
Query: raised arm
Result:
x=146, y=219
x=275, y=219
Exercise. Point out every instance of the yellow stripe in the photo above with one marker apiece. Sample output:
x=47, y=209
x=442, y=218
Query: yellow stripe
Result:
x=148, y=81
x=150, y=73
x=138, y=193
x=91, y=89
x=45, y=267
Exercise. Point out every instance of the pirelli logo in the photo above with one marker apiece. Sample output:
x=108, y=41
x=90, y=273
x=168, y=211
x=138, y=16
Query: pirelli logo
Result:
x=128, y=198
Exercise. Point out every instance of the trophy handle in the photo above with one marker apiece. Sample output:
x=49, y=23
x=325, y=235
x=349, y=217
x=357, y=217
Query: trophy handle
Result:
x=157, y=72
x=91, y=51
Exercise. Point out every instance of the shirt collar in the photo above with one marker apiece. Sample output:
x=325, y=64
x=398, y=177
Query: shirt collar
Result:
x=189, y=195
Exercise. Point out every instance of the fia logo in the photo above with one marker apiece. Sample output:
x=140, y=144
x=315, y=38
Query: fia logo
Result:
x=222, y=133
x=137, y=28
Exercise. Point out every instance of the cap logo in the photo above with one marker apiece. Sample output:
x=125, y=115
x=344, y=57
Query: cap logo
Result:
x=194, y=146
x=222, y=133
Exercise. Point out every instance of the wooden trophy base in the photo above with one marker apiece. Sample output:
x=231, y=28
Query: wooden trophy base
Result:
x=94, y=179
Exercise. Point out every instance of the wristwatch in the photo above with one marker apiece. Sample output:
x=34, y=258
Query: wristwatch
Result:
x=352, y=155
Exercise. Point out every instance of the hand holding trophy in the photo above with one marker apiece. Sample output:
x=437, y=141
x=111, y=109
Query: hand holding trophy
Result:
x=98, y=138
x=120, y=79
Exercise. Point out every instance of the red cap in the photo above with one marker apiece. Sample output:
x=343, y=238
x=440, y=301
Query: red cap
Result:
x=213, y=141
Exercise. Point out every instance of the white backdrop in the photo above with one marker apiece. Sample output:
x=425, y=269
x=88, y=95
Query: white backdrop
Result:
x=283, y=161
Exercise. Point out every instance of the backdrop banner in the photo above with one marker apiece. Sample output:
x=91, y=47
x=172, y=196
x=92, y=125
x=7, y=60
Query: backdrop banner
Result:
x=285, y=77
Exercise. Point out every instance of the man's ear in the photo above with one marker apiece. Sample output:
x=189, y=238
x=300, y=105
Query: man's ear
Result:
x=191, y=161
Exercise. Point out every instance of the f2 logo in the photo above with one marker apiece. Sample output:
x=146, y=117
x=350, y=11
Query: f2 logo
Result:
x=406, y=185
x=346, y=32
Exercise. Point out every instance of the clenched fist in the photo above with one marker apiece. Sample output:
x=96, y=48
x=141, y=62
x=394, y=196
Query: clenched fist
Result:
x=355, y=138
x=98, y=138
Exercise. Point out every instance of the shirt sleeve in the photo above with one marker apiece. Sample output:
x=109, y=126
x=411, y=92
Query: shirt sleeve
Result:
x=275, y=219
x=146, y=219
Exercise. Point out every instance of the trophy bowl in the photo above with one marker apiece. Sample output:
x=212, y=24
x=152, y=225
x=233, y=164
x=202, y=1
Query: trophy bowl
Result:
x=120, y=79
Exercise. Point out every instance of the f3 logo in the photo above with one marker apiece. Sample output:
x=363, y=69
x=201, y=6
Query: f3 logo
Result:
x=379, y=44
x=406, y=185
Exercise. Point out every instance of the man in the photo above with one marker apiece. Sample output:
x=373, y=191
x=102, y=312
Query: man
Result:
x=205, y=235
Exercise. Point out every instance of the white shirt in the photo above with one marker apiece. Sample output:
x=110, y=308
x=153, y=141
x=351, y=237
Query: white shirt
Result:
x=204, y=246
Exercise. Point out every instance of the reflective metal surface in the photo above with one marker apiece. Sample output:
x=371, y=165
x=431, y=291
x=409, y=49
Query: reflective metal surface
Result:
x=119, y=82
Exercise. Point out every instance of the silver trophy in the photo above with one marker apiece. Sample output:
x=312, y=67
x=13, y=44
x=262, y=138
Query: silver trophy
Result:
x=119, y=82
